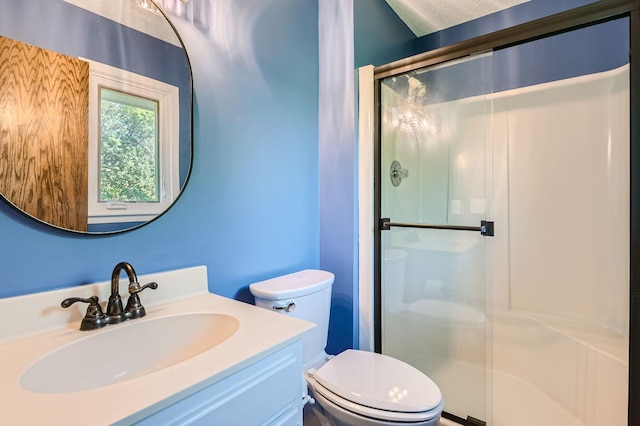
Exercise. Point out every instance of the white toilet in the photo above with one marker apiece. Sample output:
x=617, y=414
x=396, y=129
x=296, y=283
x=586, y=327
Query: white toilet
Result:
x=355, y=388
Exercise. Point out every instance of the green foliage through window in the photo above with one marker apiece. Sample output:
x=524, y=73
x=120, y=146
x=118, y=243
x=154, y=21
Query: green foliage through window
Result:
x=128, y=148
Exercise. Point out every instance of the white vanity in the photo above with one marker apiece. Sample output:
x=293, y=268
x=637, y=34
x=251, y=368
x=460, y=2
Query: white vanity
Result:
x=195, y=358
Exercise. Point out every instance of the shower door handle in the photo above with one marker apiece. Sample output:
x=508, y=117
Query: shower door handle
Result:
x=486, y=227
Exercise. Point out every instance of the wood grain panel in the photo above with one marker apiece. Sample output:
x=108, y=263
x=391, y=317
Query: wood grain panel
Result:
x=44, y=101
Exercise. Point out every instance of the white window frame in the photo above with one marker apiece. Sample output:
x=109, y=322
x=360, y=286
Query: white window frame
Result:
x=167, y=96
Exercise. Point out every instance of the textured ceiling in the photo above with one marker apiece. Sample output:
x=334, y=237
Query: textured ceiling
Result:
x=427, y=16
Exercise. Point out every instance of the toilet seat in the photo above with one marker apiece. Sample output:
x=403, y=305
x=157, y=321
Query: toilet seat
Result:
x=377, y=386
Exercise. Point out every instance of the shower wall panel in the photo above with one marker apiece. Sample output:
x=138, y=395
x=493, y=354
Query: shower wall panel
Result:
x=569, y=199
x=561, y=252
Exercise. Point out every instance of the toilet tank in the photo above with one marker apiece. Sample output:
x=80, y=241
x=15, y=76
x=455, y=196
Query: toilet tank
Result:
x=305, y=295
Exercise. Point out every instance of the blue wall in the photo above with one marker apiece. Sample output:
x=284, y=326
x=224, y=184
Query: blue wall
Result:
x=338, y=208
x=250, y=208
x=380, y=36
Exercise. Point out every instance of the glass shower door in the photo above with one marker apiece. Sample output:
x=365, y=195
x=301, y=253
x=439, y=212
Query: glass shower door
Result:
x=434, y=132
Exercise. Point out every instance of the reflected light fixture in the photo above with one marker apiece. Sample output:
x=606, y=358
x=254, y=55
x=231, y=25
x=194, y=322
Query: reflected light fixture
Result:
x=151, y=7
x=148, y=5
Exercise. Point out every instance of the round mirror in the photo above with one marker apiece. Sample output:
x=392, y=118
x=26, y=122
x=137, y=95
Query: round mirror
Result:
x=95, y=112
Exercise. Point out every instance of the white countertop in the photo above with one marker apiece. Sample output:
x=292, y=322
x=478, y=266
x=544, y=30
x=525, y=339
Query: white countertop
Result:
x=47, y=327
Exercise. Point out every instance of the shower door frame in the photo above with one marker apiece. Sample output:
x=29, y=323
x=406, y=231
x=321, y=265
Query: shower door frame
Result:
x=591, y=14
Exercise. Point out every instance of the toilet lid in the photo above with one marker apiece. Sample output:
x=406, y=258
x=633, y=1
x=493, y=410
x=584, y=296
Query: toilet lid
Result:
x=293, y=285
x=379, y=381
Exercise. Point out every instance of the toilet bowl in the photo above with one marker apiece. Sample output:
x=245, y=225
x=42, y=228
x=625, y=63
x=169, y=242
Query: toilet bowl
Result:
x=356, y=388
x=366, y=388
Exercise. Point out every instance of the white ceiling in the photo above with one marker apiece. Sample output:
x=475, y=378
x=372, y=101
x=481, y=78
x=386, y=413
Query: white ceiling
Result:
x=428, y=16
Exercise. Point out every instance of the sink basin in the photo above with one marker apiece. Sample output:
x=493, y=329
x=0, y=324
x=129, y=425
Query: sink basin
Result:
x=126, y=351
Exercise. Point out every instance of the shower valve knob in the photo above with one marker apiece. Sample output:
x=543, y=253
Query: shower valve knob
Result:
x=398, y=173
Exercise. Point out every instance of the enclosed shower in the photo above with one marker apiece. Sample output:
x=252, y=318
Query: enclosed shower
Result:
x=503, y=238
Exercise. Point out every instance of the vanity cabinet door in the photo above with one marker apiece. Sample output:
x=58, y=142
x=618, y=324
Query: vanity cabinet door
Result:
x=268, y=392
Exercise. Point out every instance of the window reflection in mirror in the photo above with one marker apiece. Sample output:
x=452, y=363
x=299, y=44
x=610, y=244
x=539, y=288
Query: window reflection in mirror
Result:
x=128, y=148
x=115, y=33
x=133, y=143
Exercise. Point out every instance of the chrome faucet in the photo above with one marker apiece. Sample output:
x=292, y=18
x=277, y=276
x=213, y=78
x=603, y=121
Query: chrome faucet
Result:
x=95, y=318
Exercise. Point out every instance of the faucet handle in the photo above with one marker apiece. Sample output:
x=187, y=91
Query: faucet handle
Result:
x=94, y=318
x=135, y=287
x=134, y=307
